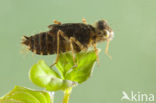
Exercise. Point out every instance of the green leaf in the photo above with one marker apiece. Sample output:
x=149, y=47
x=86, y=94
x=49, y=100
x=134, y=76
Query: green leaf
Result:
x=69, y=74
x=24, y=95
x=65, y=63
x=44, y=76
x=85, y=62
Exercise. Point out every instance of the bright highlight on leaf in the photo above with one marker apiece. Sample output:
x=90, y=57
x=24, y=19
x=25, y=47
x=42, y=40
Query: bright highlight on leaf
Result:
x=24, y=95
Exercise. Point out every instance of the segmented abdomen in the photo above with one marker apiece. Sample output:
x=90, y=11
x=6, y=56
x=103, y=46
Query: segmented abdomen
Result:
x=44, y=44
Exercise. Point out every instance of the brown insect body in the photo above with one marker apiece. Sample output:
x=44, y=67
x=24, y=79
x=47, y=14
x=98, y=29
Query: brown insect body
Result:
x=46, y=42
x=79, y=31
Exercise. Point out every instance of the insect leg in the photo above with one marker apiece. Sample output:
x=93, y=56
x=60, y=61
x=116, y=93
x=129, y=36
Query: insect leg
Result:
x=78, y=43
x=73, y=40
x=71, y=46
x=58, y=47
x=84, y=21
x=57, y=22
x=106, y=50
x=96, y=52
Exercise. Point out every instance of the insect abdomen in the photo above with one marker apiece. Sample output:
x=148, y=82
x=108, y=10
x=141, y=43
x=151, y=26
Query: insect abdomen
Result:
x=42, y=44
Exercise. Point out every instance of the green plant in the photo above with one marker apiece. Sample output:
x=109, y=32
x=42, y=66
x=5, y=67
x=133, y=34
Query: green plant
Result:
x=65, y=76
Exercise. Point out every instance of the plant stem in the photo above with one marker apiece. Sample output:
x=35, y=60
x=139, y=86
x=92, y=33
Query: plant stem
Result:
x=67, y=93
x=51, y=97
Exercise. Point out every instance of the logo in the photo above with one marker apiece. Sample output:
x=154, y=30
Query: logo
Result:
x=137, y=96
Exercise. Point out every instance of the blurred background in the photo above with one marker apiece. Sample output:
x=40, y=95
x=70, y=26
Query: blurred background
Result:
x=133, y=67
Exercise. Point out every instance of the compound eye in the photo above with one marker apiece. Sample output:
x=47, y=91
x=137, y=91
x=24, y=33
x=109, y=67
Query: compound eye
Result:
x=106, y=33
